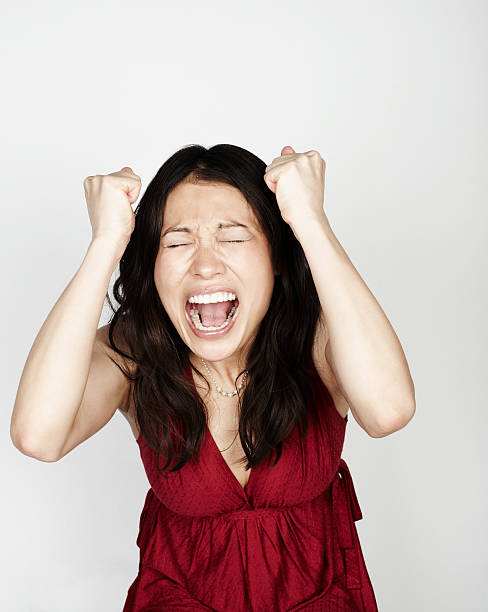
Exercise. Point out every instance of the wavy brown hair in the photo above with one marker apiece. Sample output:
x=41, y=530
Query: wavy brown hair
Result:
x=170, y=412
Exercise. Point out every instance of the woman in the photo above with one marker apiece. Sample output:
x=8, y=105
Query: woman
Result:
x=243, y=336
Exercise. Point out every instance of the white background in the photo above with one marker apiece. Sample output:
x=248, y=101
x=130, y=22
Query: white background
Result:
x=394, y=97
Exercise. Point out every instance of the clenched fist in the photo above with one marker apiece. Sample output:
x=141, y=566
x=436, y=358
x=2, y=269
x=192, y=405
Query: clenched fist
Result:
x=109, y=198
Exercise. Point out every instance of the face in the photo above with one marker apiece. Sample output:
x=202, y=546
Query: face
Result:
x=222, y=248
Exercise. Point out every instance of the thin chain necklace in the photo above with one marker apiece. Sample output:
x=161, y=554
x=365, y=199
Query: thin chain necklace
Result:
x=219, y=388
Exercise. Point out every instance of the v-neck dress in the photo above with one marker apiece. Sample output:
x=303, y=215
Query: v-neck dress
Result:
x=286, y=542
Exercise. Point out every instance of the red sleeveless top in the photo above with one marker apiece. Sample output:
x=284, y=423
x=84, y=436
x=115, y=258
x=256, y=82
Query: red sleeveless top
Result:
x=285, y=542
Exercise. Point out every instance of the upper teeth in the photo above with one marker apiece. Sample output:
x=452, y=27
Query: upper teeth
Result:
x=210, y=298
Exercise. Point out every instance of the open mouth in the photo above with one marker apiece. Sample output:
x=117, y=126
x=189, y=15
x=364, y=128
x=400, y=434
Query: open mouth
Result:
x=212, y=317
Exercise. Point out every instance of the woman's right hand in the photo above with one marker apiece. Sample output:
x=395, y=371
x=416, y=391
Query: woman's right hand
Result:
x=109, y=198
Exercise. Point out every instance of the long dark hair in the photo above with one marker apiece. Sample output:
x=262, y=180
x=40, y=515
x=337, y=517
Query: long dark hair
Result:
x=170, y=412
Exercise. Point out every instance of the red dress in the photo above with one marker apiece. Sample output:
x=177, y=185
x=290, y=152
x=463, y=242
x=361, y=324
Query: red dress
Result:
x=285, y=542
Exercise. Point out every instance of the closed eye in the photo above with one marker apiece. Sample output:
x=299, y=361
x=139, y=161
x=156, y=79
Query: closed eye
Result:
x=172, y=246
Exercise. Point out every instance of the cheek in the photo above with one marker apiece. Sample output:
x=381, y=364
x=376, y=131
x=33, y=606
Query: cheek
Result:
x=165, y=272
x=158, y=275
x=256, y=258
x=163, y=280
x=257, y=272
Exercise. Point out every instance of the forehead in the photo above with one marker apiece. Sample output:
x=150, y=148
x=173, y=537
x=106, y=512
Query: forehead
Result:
x=205, y=203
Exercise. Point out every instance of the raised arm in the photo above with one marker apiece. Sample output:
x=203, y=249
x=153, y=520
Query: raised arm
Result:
x=67, y=369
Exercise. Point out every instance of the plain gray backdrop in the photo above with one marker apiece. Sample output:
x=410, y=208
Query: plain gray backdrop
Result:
x=394, y=97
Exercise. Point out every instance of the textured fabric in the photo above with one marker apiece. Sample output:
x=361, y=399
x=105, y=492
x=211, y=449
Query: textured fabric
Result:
x=287, y=541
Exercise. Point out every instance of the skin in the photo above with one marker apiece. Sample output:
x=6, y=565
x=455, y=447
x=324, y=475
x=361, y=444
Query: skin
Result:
x=207, y=257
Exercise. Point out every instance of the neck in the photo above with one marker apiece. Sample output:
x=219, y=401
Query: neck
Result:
x=225, y=371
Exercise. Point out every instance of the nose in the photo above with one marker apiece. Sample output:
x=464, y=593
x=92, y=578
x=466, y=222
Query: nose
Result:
x=207, y=263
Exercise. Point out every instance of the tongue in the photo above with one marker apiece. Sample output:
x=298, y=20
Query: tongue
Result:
x=214, y=314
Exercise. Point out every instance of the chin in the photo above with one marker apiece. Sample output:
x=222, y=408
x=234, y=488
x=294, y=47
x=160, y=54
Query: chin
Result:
x=212, y=353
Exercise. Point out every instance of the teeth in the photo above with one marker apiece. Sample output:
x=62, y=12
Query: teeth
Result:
x=212, y=298
x=195, y=317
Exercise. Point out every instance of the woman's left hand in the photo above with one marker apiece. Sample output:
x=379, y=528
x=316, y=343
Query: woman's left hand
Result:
x=298, y=180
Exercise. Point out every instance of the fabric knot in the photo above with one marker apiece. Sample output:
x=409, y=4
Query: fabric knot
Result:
x=346, y=510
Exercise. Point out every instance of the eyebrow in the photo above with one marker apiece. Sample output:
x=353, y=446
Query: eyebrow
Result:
x=220, y=225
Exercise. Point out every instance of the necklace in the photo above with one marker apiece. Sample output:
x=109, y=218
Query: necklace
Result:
x=219, y=388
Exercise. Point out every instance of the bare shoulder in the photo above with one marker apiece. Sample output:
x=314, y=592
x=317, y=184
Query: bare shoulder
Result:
x=102, y=341
x=107, y=389
x=324, y=370
x=102, y=344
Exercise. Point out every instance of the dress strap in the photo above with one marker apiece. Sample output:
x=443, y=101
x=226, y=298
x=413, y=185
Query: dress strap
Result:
x=346, y=510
